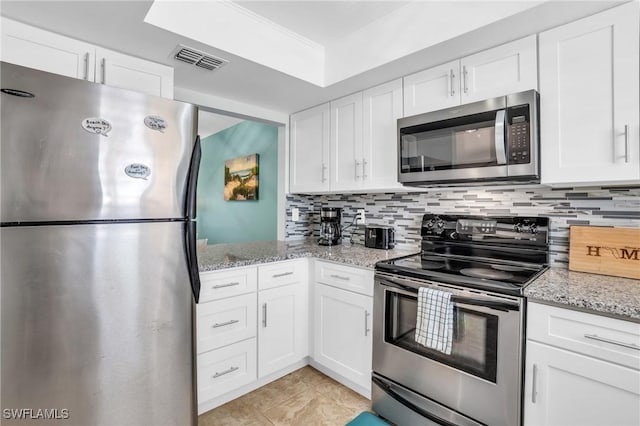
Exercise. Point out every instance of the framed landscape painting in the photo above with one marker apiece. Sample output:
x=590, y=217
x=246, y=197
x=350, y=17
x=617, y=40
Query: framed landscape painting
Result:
x=241, y=178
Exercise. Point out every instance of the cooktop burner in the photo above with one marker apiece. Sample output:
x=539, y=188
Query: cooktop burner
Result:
x=490, y=274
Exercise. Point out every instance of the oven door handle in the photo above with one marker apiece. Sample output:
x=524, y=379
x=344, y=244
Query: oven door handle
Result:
x=387, y=388
x=492, y=304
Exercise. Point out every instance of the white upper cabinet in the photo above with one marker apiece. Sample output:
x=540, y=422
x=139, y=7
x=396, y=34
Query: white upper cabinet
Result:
x=309, y=156
x=35, y=48
x=432, y=89
x=382, y=106
x=349, y=144
x=505, y=69
x=346, y=143
x=509, y=68
x=127, y=72
x=589, y=104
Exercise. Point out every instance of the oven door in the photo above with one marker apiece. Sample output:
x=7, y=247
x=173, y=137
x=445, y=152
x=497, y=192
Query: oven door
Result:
x=481, y=378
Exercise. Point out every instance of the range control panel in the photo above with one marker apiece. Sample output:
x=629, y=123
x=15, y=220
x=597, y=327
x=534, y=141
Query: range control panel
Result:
x=505, y=230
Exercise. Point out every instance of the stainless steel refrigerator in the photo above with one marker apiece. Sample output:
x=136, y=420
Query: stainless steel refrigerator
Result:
x=98, y=265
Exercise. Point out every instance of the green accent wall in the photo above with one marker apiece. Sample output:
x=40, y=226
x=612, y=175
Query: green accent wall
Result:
x=223, y=221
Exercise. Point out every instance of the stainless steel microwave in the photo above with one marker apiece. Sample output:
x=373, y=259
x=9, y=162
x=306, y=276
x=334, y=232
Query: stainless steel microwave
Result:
x=492, y=141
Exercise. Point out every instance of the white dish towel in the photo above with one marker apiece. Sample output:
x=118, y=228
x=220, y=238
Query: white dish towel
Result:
x=434, y=320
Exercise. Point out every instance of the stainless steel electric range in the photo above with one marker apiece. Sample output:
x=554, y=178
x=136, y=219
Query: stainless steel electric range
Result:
x=485, y=263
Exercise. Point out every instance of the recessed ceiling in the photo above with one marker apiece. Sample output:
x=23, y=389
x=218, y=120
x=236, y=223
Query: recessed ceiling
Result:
x=120, y=26
x=384, y=33
x=324, y=22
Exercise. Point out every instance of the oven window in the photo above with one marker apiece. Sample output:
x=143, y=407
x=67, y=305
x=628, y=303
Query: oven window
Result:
x=475, y=336
x=453, y=144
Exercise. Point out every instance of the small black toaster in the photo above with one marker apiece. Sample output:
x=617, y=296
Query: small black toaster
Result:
x=380, y=237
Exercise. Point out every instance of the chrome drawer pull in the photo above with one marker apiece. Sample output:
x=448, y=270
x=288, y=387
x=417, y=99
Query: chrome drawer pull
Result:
x=613, y=342
x=626, y=143
x=231, y=370
x=225, y=285
x=222, y=324
x=86, y=66
x=340, y=277
x=284, y=274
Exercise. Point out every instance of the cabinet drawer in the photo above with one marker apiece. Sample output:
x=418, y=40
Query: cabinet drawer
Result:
x=345, y=277
x=593, y=335
x=222, y=322
x=281, y=273
x=220, y=284
x=226, y=369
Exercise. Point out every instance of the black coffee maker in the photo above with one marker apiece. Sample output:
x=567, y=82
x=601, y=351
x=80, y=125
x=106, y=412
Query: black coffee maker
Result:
x=330, y=230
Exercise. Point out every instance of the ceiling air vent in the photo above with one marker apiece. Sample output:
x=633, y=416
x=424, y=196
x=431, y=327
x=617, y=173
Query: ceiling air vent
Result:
x=197, y=58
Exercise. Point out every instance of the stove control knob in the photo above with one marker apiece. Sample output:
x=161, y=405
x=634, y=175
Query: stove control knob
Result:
x=517, y=227
x=439, y=224
x=533, y=228
x=429, y=224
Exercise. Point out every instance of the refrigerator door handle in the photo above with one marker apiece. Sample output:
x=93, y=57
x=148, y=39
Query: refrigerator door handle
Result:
x=192, y=258
x=192, y=180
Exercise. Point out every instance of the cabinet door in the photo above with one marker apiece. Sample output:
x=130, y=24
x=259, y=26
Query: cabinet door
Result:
x=509, y=68
x=432, y=89
x=35, y=48
x=346, y=143
x=309, y=167
x=565, y=388
x=382, y=108
x=342, y=333
x=282, y=330
x=589, y=97
x=128, y=72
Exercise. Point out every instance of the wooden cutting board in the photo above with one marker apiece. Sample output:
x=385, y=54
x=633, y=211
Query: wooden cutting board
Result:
x=605, y=250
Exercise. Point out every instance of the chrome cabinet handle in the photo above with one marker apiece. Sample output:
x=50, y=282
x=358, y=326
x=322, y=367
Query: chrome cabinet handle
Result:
x=340, y=277
x=464, y=79
x=452, y=90
x=284, y=274
x=324, y=167
x=86, y=66
x=264, y=315
x=534, y=391
x=104, y=71
x=357, y=163
x=366, y=323
x=215, y=287
x=222, y=324
x=364, y=163
x=626, y=143
x=613, y=342
x=222, y=373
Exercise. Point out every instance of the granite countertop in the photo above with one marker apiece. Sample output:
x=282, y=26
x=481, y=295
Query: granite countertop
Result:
x=598, y=294
x=222, y=256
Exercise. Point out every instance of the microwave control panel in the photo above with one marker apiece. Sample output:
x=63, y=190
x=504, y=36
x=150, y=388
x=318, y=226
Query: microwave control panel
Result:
x=519, y=141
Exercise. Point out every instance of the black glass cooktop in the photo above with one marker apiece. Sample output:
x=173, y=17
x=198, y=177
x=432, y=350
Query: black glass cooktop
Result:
x=492, y=275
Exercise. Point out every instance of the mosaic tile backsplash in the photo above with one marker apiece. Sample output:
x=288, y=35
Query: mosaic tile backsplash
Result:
x=601, y=206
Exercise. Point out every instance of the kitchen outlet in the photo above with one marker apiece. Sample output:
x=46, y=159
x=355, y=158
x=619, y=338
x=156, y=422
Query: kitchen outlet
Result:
x=361, y=217
x=295, y=214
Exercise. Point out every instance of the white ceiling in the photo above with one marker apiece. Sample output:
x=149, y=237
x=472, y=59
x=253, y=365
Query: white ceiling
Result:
x=210, y=123
x=324, y=22
x=119, y=25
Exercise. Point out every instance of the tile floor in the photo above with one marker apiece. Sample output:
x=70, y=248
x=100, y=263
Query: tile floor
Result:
x=304, y=397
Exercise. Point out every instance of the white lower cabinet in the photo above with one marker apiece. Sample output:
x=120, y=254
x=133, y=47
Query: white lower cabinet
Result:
x=283, y=316
x=227, y=368
x=342, y=327
x=581, y=369
x=252, y=327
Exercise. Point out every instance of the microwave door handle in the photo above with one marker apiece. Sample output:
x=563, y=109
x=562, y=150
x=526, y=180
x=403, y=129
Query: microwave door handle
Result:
x=501, y=155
